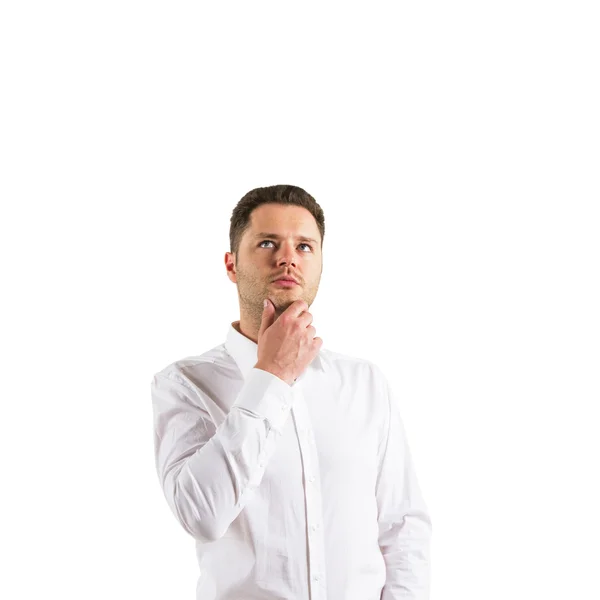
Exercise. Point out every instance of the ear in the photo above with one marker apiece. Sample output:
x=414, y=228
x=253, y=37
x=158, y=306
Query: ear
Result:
x=230, y=260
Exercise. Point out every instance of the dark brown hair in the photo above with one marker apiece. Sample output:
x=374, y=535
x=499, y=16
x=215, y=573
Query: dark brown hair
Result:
x=273, y=194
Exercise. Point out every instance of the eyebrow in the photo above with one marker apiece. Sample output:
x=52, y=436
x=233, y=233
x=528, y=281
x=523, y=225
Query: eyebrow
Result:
x=278, y=237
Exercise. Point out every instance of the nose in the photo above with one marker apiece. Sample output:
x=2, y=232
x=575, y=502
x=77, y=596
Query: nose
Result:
x=285, y=255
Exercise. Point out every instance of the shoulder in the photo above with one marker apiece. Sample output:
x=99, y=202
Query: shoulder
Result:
x=342, y=361
x=192, y=371
x=347, y=365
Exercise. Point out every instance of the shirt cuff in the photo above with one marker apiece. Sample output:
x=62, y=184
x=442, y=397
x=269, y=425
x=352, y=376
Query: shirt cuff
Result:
x=267, y=396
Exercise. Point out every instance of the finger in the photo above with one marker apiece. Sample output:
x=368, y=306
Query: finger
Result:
x=267, y=318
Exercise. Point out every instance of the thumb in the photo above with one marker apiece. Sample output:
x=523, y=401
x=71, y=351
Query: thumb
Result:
x=267, y=317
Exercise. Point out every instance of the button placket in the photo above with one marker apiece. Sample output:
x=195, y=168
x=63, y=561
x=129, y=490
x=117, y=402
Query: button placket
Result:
x=312, y=491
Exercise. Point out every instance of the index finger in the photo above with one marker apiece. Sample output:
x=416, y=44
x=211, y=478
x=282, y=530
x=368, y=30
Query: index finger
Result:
x=296, y=308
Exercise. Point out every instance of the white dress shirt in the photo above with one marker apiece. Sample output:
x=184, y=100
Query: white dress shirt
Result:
x=299, y=492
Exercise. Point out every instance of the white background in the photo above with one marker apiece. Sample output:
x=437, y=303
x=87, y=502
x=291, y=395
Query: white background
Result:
x=454, y=148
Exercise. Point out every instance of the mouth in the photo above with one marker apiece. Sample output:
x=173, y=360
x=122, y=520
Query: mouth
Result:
x=285, y=282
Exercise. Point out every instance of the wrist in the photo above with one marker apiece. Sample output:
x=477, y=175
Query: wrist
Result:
x=273, y=371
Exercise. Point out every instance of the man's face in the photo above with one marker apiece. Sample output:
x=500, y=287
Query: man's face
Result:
x=263, y=258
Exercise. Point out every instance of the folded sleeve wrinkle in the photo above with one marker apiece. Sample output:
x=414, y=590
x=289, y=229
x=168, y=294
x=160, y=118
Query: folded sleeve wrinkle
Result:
x=403, y=517
x=207, y=471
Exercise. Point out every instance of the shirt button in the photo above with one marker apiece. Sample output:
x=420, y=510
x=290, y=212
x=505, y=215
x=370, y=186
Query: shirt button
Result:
x=311, y=478
x=262, y=464
x=315, y=577
x=283, y=406
x=315, y=527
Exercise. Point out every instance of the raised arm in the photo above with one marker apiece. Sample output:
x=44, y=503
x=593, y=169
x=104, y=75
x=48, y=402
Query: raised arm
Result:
x=208, y=473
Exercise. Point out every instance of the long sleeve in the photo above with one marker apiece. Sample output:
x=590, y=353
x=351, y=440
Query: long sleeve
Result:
x=404, y=523
x=207, y=473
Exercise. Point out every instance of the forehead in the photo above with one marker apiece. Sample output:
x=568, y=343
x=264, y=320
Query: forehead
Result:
x=283, y=220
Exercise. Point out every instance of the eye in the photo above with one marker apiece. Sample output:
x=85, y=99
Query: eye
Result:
x=272, y=242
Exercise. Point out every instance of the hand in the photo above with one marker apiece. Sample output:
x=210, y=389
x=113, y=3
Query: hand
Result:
x=287, y=346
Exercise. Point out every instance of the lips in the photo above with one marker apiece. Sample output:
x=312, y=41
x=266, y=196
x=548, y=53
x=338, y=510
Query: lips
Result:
x=286, y=279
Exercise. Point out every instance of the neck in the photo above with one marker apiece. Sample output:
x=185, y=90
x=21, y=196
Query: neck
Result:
x=247, y=329
x=249, y=324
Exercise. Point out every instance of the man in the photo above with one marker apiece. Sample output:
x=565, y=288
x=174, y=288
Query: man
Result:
x=288, y=463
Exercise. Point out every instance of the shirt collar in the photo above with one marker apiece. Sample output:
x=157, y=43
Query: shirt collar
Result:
x=245, y=352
